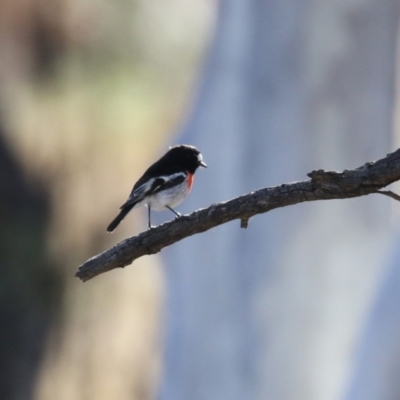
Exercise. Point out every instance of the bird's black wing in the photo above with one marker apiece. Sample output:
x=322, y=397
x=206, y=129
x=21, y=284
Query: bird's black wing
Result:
x=154, y=185
x=173, y=180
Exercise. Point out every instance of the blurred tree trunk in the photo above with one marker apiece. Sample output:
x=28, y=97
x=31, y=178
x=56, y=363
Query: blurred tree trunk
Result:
x=272, y=312
x=30, y=288
x=58, y=339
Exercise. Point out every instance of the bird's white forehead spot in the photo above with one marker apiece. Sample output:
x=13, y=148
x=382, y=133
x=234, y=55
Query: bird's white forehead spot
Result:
x=200, y=157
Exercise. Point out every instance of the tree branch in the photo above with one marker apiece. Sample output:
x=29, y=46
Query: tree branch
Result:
x=389, y=193
x=323, y=185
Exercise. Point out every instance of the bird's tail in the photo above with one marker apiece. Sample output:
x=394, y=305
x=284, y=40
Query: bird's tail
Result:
x=122, y=214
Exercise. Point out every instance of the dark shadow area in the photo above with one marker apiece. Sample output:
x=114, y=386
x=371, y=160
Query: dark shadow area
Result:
x=31, y=288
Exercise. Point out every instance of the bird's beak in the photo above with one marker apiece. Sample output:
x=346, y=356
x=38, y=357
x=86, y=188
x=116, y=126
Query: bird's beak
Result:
x=203, y=164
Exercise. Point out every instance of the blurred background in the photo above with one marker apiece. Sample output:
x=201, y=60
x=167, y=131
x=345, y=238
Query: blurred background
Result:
x=302, y=304
x=90, y=92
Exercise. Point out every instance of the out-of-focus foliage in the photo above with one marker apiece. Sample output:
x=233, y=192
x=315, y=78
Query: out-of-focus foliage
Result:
x=89, y=93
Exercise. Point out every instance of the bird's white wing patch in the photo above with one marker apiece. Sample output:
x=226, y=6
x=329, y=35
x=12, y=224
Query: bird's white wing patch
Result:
x=153, y=184
x=174, y=176
x=144, y=189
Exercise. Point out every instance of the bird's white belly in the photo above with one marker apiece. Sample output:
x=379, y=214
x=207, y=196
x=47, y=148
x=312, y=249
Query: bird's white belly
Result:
x=170, y=197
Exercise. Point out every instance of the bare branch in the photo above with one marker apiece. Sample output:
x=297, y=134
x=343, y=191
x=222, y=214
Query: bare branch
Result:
x=323, y=185
x=390, y=194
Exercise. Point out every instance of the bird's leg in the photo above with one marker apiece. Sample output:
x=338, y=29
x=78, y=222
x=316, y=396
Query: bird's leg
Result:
x=149, y=213
x=175, y=212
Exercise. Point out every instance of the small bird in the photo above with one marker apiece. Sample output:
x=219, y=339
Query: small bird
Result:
x=165, y=184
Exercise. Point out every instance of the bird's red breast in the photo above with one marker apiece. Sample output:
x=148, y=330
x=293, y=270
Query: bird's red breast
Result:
x=189, y=181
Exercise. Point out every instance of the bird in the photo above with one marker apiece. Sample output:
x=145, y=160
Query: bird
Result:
x=165, y=184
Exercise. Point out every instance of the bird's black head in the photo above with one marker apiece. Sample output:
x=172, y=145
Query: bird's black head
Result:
x=186, y=156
